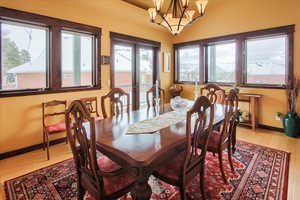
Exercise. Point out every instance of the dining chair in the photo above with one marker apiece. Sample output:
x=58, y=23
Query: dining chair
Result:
x=235, y=119
x=151, y=101
x=221, y=140
x=53, y=109
x=117, y=101
x=97, y=177
x=92, y=106
x=191, y=160
x=214, y=93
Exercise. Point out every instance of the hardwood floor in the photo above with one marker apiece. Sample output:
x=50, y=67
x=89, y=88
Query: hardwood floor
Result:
x=19, y=165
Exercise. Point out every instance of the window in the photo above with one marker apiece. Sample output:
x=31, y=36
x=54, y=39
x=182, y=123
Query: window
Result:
x=189, y=64
x=24, y=56
x=42, y=54
x=262, y=59
x=221, y=63
x=77, y=59
x=266, y=60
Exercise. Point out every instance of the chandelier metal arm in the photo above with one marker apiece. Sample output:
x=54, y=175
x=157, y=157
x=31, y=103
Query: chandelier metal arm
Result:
x=196, y=18
x=182, y=14
x=164, y=19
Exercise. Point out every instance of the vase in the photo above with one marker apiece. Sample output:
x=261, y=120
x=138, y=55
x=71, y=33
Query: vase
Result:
x=291, y=124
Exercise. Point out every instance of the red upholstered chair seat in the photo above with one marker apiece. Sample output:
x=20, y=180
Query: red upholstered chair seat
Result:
x=98, y=118
x=56, y=127
x=213, y=141
x=172, y=168
x=114, y=183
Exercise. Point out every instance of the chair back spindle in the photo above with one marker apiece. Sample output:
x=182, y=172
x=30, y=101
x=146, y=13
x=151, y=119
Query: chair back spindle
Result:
x=116, y=97
x=151, y=101
x=231, y=114
x=214, y=93
x=92, y=105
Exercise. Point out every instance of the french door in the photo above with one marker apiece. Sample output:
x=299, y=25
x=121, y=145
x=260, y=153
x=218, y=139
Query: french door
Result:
x=134, y=70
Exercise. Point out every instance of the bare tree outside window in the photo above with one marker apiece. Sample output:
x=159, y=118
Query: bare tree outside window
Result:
x=24, y=61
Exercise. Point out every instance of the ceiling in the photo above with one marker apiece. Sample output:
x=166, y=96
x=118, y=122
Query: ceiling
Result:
x=145, y=4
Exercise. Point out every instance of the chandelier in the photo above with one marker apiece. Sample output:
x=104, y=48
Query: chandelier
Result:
x=178, y=14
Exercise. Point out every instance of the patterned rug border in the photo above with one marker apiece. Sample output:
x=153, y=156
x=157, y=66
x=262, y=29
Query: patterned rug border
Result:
x=284, y=193
x=287, y=167
x=6, y=183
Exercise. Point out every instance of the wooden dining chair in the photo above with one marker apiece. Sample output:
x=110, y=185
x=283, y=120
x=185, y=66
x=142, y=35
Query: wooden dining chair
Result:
x=151, y=101
x=214, y=93
x=92, y=106
x=97, y=177
x=116, y=97
x=221, y=140
x=234, y=93
x=51, y=110
x=188, y=163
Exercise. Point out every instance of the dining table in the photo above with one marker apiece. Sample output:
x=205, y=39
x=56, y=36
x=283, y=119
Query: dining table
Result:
x=141, y=153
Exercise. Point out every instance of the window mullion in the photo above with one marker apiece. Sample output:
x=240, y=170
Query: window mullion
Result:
x=55, y=57
x=289, y=79
x=0, y=55
x=240, y=61
x=201, y=64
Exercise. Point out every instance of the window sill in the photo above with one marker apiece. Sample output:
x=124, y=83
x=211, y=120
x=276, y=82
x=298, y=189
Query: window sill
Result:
x=29, y=92
x=241, y=86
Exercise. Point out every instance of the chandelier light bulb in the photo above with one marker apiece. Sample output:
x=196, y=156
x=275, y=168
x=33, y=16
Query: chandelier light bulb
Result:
x=158, y=4
x=185, y=3
x=152, y=13
x=201, y=5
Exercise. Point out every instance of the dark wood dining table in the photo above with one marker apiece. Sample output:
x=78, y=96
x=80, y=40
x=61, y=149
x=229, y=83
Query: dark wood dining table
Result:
x=142, y=153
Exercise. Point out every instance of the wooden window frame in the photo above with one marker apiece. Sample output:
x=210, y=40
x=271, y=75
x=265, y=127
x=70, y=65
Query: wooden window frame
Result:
x=55, y=27
x=240, y=39
x=136, y=43
x=206, y=62
x=177, y=61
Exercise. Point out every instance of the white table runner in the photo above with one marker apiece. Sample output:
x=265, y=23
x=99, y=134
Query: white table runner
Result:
x=156, y=124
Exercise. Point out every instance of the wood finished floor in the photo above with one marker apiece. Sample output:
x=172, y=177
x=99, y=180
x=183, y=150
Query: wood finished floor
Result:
x=19, y=165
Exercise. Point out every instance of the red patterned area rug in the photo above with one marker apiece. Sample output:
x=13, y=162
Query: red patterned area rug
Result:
x=260, y=173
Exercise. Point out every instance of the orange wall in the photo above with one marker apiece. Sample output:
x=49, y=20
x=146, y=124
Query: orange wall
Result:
x=235, y=16
x=20, y=117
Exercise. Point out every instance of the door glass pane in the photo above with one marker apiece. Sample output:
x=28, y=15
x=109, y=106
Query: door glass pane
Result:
x=146, y=73
x=77, y=59
x=24, y=56
x=123, y=68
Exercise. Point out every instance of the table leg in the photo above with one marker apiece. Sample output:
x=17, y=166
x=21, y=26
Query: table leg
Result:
x=142, y=190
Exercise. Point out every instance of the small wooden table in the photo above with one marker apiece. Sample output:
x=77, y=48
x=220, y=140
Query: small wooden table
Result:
x=253, y=100
x=142, y=153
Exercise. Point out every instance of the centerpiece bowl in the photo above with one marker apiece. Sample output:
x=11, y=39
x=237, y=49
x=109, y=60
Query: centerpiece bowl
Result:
x=179, y=104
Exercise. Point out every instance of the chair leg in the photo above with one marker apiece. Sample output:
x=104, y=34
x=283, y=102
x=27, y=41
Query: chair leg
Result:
x=220, y=155
x=202, y=170
x=44, y=142
x=230, y=157
x=182, y=193
x=47, y=140
x=66, y=139
x=80, y=190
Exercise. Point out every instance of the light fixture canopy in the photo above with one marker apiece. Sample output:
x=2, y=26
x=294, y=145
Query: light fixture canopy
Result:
x=178, y=14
